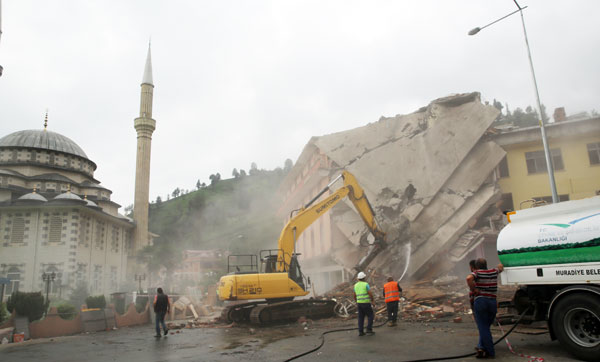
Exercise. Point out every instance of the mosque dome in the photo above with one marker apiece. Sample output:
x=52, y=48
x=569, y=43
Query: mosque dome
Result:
x=67, y=196
x=42, y=139
x=90, y=203
x=33, y=196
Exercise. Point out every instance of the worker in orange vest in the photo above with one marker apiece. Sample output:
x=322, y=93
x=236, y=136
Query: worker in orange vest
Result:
x=391, y=293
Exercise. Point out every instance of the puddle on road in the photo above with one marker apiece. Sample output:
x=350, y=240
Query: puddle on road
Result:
x=259, y=336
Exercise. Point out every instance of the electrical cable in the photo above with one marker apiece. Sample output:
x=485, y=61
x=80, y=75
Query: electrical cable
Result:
x=418, y=360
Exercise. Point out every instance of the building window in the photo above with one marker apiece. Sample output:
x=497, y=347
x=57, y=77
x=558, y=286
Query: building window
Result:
x=80, y=273
x=55, y=284
x=536, y=161
x=55, y=229
x=507, y=202
x=113, y=278
x=594, y=153
x=97, y=278
x=115, y=236
x=84, y=226
x=14, y=277
x=17, y=230
x=99, y=235
x=503, y=168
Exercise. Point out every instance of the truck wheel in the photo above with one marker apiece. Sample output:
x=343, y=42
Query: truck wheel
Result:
x=576, y=323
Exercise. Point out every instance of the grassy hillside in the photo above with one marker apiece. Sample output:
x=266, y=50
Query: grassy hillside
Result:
x=236, y=214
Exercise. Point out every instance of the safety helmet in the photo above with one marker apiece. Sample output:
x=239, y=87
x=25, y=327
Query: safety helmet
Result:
x=361, y=275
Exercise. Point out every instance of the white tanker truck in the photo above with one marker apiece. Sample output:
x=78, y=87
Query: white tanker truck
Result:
x=553, y=254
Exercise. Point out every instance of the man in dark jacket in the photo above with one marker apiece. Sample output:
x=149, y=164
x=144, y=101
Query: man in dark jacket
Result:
x=162, y=306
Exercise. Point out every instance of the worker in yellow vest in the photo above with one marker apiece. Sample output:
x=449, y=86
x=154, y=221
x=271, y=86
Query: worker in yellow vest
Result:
x=391, y=293
x=364, y=298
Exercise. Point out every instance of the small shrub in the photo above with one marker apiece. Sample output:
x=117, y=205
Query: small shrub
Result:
x=96, y=301
x=79, y=294
x=30, y=305
x=66, y=311
x=3, y=312
x=140, y=303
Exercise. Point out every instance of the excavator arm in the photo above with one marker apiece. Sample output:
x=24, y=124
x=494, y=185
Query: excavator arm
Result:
x=312, y=211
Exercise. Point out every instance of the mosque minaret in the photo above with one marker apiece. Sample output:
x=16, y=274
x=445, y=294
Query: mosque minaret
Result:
x=144, y=126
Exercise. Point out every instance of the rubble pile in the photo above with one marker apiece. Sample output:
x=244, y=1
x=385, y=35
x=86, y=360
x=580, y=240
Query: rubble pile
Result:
x=429, y=177
x=425, y=300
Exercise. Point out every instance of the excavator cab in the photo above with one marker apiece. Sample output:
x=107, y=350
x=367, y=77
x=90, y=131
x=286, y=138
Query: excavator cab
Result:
x=295, y=273
x=270, y=261
x=268, y=264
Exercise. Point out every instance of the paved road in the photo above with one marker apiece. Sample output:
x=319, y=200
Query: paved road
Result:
x=405, y=342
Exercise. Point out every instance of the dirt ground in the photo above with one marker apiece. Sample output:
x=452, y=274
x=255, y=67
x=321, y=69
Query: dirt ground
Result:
x=407, y=341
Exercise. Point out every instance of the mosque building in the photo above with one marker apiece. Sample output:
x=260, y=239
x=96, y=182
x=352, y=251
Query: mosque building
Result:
x=55, y=217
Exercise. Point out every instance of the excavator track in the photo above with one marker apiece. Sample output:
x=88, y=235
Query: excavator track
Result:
x=264, y=314
x=238, y=312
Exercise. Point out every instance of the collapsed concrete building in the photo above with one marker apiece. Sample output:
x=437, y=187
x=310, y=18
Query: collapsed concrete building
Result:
x=429, y=176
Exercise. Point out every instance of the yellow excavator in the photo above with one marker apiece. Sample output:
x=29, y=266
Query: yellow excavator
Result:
x=272, y=289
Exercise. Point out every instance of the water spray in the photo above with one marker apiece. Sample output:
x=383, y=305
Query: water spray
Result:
x=407, y=250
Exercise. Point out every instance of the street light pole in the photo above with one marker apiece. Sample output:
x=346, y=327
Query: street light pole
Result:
x=549, y=163
x=48, y=278
x=139, y=278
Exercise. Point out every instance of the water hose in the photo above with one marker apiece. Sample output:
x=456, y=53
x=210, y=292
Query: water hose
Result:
x=322, y=337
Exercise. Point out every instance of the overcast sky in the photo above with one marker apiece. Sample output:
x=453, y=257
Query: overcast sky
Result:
x=238, y=82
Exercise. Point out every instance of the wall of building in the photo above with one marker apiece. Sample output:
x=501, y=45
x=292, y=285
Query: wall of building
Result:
x=75, y=244
x=578, y=179
x=46, y=158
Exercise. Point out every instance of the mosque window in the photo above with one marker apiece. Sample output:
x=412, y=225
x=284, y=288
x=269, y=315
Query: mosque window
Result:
x=113, y=278
x=84, y=230
x=114, y=246
x=80, y=273
x=55, y=284
x=17, y=230
x=99, y=235
x=14, y=277
x=97, y=283
x=56, y=226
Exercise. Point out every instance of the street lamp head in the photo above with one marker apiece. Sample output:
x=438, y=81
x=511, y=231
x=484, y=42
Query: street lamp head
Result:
x=474, y=31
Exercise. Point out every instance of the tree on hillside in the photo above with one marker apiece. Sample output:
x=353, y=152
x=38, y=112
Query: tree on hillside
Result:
x=519, y=117
x=235, y=173
x=198, y=184
x=158, y=200
x=242, y=172
x=214, y=178
x=287, y=166
x=253, y=169
x=498, y=105
x=176, y=192
x=160, y=254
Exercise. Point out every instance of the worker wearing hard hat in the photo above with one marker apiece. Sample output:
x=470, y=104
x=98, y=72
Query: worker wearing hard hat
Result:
x=364, y=298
